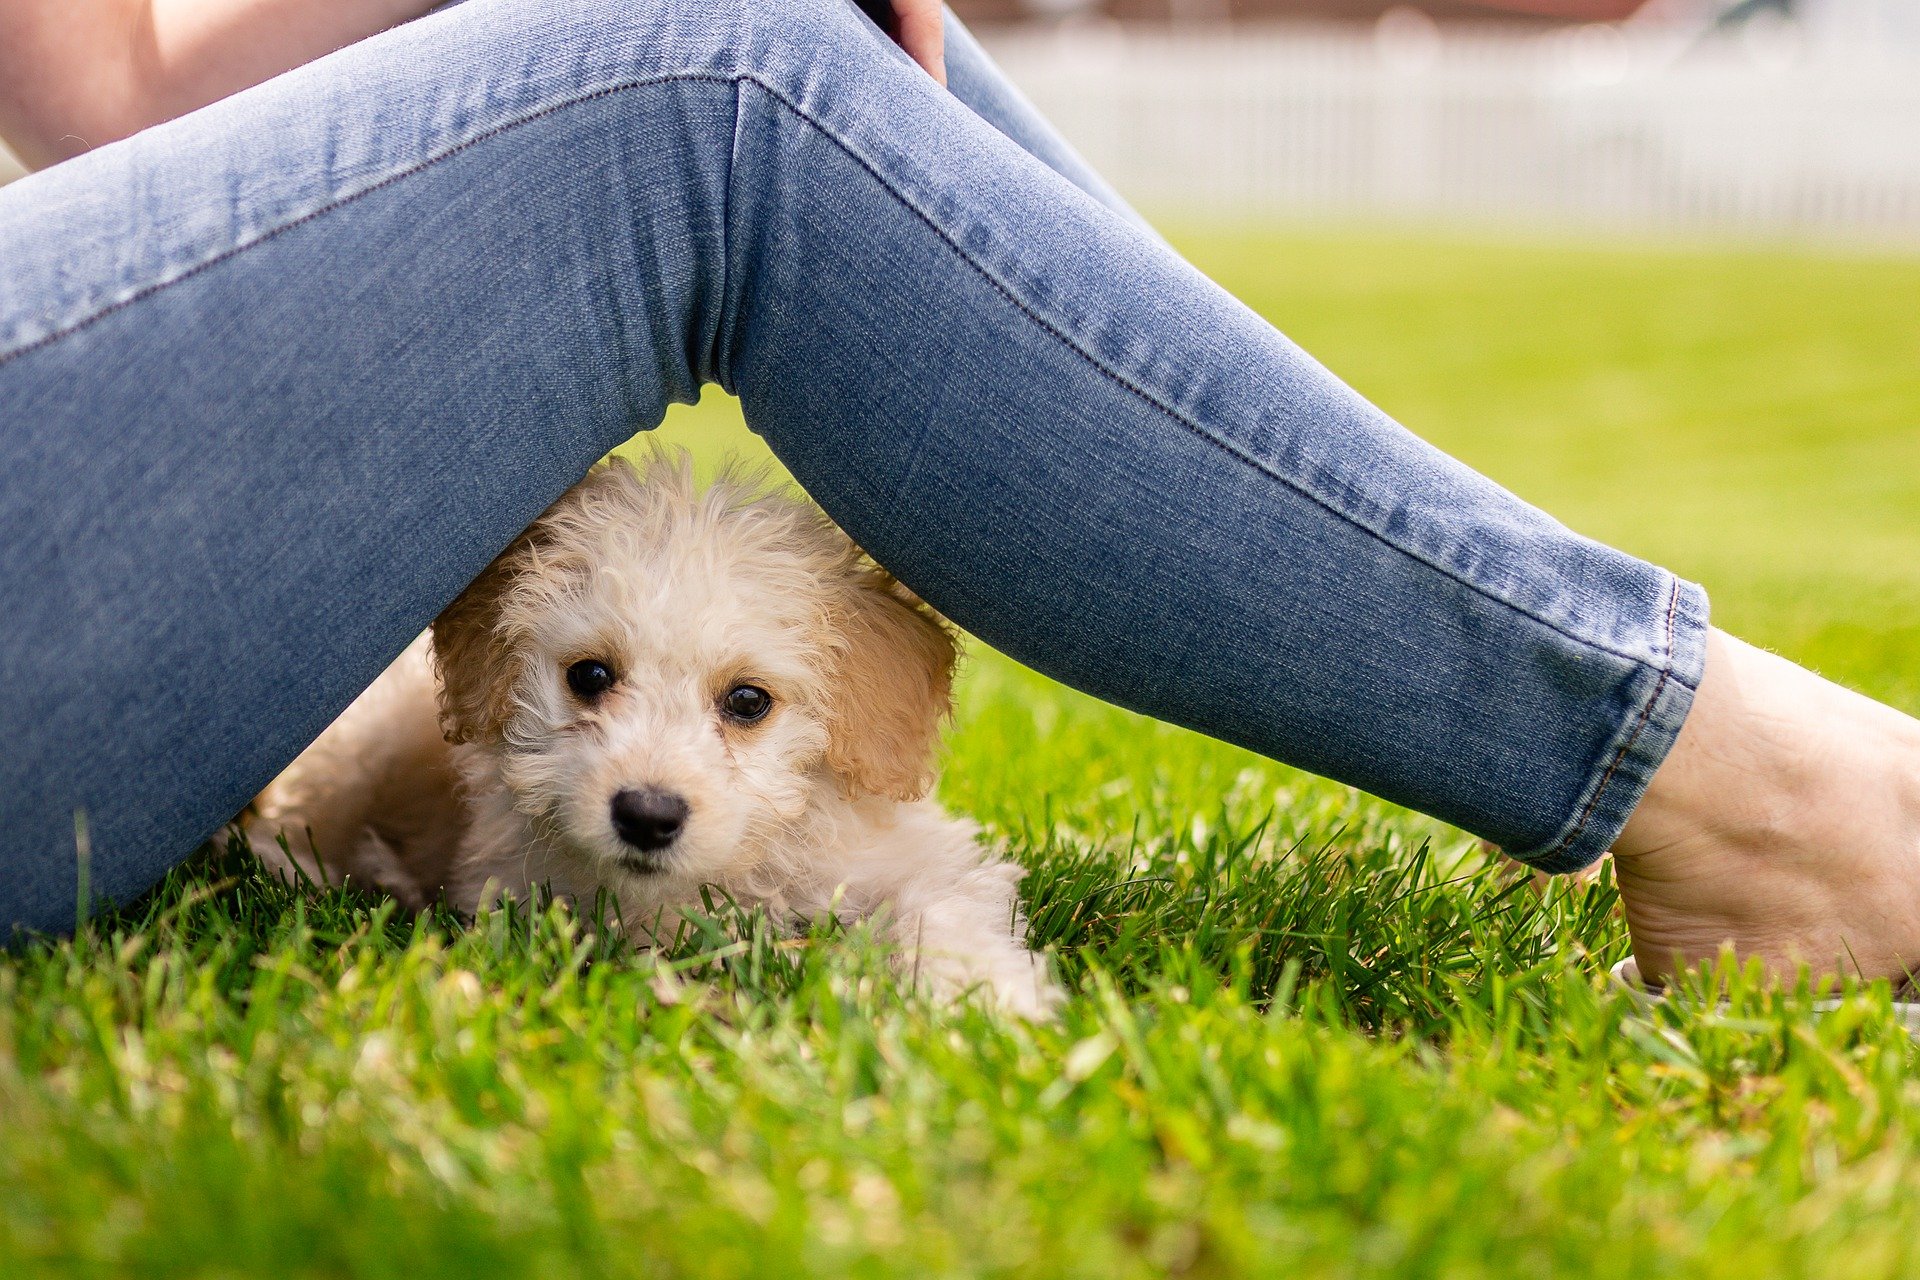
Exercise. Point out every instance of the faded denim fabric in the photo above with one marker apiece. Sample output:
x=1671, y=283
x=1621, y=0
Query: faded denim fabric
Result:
x=278, y=378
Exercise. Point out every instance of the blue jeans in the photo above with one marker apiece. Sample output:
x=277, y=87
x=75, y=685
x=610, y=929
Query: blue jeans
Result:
x=278, y=378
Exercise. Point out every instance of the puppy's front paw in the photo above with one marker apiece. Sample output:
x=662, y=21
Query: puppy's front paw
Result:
x=1037, y=998
x=1016, y=982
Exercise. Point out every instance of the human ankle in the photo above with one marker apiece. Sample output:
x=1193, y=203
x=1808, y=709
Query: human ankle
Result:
x=1689, y=792
x=1768, y=748
x=1785, y=823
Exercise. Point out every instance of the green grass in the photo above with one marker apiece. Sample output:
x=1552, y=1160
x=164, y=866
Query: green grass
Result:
x=1313, y=1034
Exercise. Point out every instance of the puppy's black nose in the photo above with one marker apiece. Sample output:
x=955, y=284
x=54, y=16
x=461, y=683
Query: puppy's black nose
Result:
x=648, y=819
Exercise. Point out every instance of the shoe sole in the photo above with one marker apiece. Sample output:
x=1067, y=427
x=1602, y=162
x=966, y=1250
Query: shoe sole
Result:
x=1626, y=976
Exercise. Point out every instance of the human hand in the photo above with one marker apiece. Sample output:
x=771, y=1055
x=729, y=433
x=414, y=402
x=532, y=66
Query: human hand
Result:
x=916, y=26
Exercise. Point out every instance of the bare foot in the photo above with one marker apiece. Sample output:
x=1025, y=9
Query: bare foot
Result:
x=1785, y=822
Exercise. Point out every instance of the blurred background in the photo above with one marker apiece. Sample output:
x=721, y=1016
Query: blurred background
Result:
x=1770, y=116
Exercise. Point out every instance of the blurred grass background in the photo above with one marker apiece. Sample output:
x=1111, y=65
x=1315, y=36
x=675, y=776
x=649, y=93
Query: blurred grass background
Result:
x=1313, y=1034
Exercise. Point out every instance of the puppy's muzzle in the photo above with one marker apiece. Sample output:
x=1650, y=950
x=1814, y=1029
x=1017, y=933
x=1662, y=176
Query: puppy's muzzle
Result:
x=649, y=819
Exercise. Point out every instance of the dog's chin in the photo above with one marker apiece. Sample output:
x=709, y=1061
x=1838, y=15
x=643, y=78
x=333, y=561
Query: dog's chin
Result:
x=695, y=858
x=646, y=866
x=611, y=860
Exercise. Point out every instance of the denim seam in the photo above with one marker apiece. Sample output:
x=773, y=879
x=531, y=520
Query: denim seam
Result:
x=720, y=354
x=1166, y=410
x=719, y=365
x=734, y=80
x=1620, y=755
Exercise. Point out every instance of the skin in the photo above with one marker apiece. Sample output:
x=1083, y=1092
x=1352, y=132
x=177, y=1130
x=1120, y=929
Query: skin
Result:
x=77, y=74
x=1785, y=823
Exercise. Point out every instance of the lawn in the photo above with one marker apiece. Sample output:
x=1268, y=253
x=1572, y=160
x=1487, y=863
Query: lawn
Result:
x=1313, y=1034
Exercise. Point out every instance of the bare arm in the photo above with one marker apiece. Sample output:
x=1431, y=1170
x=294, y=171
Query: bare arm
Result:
x=78, y=73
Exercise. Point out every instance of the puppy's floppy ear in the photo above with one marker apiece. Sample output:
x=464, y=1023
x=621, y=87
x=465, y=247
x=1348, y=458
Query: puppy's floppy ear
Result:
x=475, y=649
x=476, y=660
x=891, y=687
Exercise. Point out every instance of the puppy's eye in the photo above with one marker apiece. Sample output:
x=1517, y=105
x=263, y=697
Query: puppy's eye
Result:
x=747, y=703
x=589, y=678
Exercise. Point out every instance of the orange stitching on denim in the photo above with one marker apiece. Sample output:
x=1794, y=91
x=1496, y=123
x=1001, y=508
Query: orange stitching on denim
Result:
x=1646, y=713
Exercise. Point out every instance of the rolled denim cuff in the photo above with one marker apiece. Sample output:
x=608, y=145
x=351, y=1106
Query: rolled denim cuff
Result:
x=1658, y=702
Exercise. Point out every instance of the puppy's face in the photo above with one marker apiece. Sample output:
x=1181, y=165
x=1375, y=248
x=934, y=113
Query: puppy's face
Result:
x=672, y=684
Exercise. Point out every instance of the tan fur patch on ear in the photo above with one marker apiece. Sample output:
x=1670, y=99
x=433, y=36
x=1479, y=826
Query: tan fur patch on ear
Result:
x=476, y=665
x=477, y=660
x=892, y=687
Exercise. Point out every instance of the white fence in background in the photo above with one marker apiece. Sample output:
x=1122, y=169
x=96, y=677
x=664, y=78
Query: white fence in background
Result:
x=1594, y=127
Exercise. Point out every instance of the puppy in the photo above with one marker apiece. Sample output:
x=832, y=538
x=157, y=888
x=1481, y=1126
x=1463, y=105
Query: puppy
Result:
x=654, y=690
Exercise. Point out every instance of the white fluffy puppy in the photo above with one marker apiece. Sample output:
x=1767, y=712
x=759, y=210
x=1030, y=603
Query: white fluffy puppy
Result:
x=653, y=690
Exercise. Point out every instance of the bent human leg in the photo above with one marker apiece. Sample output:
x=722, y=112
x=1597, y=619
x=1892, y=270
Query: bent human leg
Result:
x=278, y=378
x=974, y=80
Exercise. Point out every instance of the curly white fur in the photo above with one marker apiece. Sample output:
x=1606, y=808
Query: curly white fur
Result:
x=819, y=806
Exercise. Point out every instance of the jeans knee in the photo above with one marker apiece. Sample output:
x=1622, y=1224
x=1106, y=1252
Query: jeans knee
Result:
x=641, y=37
x=585, y=44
